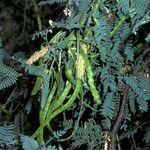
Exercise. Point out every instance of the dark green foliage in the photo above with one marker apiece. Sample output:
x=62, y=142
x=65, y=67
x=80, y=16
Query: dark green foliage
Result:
x=123, y=6
x=108, y=109
x=141, y=8
x=147, y=136
x=90, y=135
x=7, y=136
x=28, y=143
x=60, y=133
x=50, y=148
x=145, y=19
x=35, y=70
x=8, y=75
x=45, y=89
x=129, y=52
x=102, y=29
x=140, y=91
x=127, y=119
x=132, y=97
x=8, y=80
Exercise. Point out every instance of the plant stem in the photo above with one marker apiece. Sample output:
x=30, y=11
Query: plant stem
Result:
x=119, y=119
x=37, y=12
x=120, y=23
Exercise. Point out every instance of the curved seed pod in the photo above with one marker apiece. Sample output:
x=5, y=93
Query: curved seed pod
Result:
x=43, y=112
x=69, y=75
x=93, y=89
x=37, y=55
x=59, y=110
x=61, y=99
x=48, y=102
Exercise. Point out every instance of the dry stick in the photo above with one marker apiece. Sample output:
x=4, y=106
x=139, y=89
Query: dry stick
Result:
x=119, y=119
x=2, y=109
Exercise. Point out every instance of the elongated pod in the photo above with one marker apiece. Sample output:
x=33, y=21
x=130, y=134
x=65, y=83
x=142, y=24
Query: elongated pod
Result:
x=69, y=75
x=44, y=111
x=59, y=110
x=56, y=104
x=96, y=96
x=48, y=102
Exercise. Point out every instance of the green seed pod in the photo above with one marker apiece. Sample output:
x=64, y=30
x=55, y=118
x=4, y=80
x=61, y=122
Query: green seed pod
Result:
x=50, y=97
x=56, y=104
x=44, y=111
x=59, y=110
x=93, y=89
x=69, y=75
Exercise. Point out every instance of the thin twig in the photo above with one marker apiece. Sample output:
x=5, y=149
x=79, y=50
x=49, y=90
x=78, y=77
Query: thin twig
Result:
x=119, y=119
x=129, y=132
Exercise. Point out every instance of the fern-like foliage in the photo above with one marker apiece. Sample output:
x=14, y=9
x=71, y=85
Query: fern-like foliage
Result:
x=50, y=147
x=129, y=52
x=59, y=133
x=137, y=10
x=45, y=89
x=140, y=92
x=28, y=143
x=147, y=136
x=108, y=109
x=145, y=19
x=102, y=38
x=89, y=135
x=141, y=8
x=8, y=139
x=8, y=75
x=7, y=136
x=132, y=97
x=127, y=119
x=35, y=70
x=124, y=7
x=43, y=72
